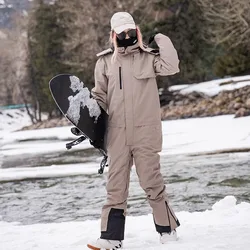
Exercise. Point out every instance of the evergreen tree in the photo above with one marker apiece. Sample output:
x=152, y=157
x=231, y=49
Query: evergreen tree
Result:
x=182, y=23
x=45, y=44
x=233, y=62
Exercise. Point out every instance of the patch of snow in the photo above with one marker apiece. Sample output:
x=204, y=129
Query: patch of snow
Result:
x=13, y=119
x=214, y=87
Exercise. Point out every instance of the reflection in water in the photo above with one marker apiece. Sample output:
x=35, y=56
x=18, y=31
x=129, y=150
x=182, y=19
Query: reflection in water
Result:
x=194, y=183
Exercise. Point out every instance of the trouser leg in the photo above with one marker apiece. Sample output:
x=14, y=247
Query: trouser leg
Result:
x=147, y=162
x=113, y=212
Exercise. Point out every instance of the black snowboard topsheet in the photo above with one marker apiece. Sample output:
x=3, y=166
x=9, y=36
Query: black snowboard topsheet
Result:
x=74, y=100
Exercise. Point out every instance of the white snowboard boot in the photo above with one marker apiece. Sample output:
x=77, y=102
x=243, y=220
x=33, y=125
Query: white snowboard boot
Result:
x=167, y=237
x=105, y=244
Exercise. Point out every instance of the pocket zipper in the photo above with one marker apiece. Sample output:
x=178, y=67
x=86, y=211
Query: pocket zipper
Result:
x=120, y=77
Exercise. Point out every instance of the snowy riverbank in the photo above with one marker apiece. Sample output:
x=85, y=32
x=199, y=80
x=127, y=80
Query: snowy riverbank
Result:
x=225, y=226
x=196, y=135
x=212, y=98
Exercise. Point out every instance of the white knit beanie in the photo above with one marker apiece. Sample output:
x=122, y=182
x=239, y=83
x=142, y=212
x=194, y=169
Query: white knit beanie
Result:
x=121, y=21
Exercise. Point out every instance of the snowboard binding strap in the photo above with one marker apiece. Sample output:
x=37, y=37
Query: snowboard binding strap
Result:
x=75, y=142
x=77, y=132
x=103, y=164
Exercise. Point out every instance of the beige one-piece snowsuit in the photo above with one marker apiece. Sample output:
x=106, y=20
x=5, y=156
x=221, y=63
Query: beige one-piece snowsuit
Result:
x=127, y=90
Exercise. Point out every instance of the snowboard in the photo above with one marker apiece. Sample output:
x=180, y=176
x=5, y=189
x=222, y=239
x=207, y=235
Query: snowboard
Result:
x=75, y=102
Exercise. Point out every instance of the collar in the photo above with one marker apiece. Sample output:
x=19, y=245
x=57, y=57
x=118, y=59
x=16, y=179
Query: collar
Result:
x=129, y=50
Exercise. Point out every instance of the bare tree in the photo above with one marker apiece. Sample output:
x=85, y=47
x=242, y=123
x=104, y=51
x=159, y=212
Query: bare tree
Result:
x=228, y=21
x=14, y=80
x=5, y=71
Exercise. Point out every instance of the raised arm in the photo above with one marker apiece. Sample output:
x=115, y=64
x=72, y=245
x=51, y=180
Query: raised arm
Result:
x=167, y=63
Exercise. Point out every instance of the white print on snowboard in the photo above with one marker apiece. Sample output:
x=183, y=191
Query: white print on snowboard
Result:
x=80, y=100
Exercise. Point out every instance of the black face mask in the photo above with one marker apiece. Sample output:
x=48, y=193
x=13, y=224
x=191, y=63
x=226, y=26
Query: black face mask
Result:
x=126, y=42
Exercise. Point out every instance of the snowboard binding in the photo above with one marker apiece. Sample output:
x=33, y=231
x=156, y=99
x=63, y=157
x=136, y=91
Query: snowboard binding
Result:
x=75, y=142
x=77, y=132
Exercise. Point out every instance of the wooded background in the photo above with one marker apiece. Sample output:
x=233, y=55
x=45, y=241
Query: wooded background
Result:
x=212, y=39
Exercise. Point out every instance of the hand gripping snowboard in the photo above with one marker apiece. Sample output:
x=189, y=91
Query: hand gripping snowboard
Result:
x=76, y=103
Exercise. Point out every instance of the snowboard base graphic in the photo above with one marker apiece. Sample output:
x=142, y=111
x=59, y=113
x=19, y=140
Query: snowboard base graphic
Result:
x=75, y=102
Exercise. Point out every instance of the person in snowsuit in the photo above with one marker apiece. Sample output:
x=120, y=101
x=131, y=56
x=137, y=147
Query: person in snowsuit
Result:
x=125, y=86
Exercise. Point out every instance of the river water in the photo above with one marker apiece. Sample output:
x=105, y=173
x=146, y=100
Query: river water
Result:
x=194, y=183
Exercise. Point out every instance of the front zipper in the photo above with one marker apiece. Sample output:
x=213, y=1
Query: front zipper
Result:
x=120, y=77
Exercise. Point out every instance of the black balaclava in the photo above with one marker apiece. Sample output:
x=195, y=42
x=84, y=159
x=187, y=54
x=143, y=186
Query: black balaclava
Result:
x=127, y=42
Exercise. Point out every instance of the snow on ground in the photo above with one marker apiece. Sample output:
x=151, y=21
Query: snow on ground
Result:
x=205, y=135
x=225, y=226
x=212, y=88
x=43, y=147
x=196, y=135
x=11, y=174
x=38, y=141
x=189, y=136
x=13, y=119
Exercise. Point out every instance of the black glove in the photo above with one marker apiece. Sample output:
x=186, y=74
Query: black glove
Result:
x=151, y=39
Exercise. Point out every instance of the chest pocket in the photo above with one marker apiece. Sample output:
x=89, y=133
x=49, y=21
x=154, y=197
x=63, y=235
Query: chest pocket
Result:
x=143, y=66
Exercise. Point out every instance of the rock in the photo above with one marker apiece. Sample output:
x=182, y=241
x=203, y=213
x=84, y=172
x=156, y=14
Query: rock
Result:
x=192, y=97
x=179, y=103
x=219, y=102
x=237, y=105
x=242, y=112
x=171, y=103
x=238, y=99
x=231, y=105
x=230, y=96
x=247, y=103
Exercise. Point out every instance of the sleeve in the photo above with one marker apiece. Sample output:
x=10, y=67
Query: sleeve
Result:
x=167, y=63
x=99, y=92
